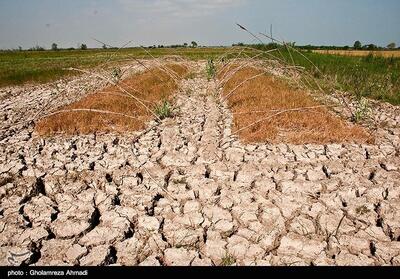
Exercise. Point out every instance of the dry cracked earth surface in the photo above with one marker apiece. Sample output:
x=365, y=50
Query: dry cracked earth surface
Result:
x=186, y=192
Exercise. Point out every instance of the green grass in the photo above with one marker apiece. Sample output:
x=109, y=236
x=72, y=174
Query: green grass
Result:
x=373, y=77
x=163, y=110
x=210, y=69
x=20, y=67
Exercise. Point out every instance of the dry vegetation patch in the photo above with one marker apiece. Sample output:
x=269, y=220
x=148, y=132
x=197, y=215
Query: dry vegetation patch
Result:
x=267, y=109
x=112, y=109
x=361, y=53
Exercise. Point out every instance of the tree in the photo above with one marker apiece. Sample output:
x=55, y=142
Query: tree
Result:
x=54, y=47
x=357, y=45
x=104, y=46
x=391, y=46
x=185, y=44
x=37, y=48
x=370, y=47
x=194, y=44
x=83, y=47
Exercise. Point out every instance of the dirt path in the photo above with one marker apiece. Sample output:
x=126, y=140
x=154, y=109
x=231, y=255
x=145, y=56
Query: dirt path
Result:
x=187, y=193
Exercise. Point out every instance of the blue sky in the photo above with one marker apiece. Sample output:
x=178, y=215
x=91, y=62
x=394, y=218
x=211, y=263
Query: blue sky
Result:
x=209, y=22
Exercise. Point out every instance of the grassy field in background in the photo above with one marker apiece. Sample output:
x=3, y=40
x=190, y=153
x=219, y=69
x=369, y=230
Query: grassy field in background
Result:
x=372, y=76
x=369, y=76
x=21, y=67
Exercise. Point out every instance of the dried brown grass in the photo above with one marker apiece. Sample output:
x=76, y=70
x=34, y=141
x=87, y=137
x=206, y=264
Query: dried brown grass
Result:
x=361, y=53
x=266, y=109
x=111, y=110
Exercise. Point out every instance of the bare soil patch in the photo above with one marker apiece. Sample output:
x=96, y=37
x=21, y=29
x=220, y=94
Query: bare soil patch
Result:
x=188, y=192
x=267, y=109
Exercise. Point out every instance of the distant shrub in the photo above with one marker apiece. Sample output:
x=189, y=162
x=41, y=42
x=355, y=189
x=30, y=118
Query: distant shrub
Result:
x=37, y=48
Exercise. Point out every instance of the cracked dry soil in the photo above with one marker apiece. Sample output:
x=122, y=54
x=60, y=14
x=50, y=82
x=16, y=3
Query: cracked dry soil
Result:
x=184, y=192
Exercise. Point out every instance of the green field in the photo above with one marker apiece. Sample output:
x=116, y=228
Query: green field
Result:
x=20, y=67
x=373, y=77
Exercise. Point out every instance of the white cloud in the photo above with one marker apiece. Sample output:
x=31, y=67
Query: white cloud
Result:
x=178, y=8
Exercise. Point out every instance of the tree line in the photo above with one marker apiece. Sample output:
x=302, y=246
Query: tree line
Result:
x=54, y=47
x=357, y=46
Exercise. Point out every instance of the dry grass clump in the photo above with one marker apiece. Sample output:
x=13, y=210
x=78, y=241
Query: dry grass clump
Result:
x=266, y=109
x=111, y=109
x=361, y=53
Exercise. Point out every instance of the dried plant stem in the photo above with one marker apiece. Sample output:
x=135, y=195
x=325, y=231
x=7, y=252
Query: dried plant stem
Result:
x=268, y=111
x=226, y=54
x=161, y=187
x=123, y=95
x=229, y=74
x=290, y=54
x=148, y=172
x=112, y=54
x=91, y=110
x=275, y=115
x=161, y=67
x=144, y=66
x=248, y=31
x=299, y=52
x=120, y=88
x=240, y=85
